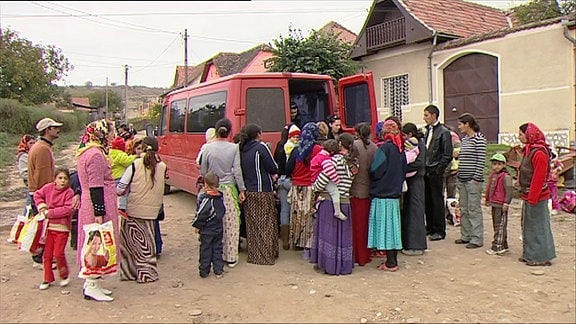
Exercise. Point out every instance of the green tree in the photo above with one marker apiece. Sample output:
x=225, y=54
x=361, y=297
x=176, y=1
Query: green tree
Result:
x=97, y=98
x=318, y=53
x=538, y=10
x=28, y=71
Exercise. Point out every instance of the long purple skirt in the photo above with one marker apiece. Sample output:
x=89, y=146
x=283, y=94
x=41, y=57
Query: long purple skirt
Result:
x=332, y=243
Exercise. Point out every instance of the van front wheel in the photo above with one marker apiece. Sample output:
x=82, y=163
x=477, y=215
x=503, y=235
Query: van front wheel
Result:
x=166, y=189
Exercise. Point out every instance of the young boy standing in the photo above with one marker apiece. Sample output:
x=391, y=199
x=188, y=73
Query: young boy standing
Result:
x=499, y=194
x=209, y=223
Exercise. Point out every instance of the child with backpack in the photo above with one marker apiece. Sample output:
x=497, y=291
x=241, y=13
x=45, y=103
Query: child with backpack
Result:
x=499, y=193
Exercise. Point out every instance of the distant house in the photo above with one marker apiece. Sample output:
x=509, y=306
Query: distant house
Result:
x=466, y=57
x=249, y=61
x=83, y=103
x=344, y=34
x=223, y=64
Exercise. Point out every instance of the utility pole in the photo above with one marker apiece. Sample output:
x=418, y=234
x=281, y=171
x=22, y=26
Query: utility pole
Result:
x=106, y=96
x=185, y=57
x=126, y=93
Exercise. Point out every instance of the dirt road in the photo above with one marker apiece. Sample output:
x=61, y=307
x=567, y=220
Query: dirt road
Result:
x=448, y=284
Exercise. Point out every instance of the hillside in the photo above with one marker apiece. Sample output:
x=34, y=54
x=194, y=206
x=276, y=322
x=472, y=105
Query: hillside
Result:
x=137, y=95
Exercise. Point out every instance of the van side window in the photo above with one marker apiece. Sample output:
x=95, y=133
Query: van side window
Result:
x=265, y=107
x=163, y=119
x=357, y=104
x=177, y=116
x=205, y=110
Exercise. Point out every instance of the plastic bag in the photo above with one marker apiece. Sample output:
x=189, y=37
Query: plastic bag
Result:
x=16, y=229
x=98, y=251
x=568, y=201
x=33, y=234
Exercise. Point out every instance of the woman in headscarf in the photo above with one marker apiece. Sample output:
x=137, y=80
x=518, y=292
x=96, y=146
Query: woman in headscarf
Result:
x=298, y=167
x=387, y=173
x=24, y=146
x=222, y=158
x=332, y=242
x=137, y=242
x=259, y=171
x=98, y=203
x=538, y=242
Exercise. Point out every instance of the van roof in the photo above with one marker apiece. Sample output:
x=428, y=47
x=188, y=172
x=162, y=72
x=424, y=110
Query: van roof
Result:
x=267, y=75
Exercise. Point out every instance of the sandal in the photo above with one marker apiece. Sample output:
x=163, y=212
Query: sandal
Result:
x=378, y=254
x=538, y=264
x=384, y=267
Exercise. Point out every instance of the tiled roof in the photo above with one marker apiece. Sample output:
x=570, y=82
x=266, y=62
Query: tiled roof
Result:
x=80, y=100
x=230, y=63
x=456, y=17
x=345, y=34
x=193, y=72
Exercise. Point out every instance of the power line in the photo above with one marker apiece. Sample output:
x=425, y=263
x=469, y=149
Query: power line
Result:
x=154, y=60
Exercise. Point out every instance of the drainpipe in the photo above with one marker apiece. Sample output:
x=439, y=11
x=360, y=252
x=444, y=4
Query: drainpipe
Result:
x=565, y=24
x=434, y=41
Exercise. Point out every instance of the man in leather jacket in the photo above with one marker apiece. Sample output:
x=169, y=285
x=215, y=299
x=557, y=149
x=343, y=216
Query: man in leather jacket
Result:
x=438, y=157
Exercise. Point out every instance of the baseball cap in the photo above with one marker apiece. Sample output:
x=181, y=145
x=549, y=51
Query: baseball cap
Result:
x=47, y=122
x=498, y=157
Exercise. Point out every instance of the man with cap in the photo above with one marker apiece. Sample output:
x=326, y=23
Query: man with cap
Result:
x=41, y=163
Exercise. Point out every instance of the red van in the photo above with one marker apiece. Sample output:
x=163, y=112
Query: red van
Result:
x=260, y=98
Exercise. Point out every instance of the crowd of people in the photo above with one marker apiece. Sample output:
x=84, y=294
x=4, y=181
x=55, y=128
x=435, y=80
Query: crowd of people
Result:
x=341, y=200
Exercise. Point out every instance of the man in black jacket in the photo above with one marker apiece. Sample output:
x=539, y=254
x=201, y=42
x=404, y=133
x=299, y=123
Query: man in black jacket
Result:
x=438, y=156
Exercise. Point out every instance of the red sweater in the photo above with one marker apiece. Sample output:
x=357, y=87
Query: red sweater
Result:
x=59, y=204
x=538, y=191
x=302, y=176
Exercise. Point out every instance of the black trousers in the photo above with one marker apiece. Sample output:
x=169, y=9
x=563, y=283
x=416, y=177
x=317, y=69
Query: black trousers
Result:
x=435, y=219
x=391, y=258
x=211, y=254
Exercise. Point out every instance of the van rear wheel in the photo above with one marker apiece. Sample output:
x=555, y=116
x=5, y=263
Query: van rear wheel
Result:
x=166, y=189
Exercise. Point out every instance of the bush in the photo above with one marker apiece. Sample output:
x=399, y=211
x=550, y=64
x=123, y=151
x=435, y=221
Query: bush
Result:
x=17, y=118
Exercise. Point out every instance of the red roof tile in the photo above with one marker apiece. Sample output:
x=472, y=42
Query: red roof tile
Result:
x=456, y=17
x=344, y=34
x=80, y=100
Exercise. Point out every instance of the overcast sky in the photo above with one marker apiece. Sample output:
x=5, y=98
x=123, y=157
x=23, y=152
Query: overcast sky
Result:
x=100, y=37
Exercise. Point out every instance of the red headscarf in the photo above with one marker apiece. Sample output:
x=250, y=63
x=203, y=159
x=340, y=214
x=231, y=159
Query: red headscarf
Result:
x=23, y=145
x=535, y=138
x=391, y=132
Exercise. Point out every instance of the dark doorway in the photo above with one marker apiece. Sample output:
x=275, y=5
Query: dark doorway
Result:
x=471, y=86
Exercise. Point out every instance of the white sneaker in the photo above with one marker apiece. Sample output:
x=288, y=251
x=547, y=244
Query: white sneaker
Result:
x=44, y=285
x=64, y=282
x=37, y=266
x=233, y=264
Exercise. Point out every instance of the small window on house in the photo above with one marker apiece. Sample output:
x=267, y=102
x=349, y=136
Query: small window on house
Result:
x=395, y=94
x=205, y=111
x=177, y=116
x=265, y=107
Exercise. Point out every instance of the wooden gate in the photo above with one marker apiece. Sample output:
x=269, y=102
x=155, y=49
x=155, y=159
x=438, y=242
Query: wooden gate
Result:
x=471, y=86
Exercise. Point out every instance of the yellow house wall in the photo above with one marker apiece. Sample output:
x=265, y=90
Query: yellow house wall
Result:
x=536, y=77
x=411, y=60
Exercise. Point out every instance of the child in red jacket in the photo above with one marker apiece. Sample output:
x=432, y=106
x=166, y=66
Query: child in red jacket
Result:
x=54, y=202
x=499, y=193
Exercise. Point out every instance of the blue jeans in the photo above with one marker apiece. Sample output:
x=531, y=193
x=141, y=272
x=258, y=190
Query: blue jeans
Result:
x=284, y=185
x=158, y=237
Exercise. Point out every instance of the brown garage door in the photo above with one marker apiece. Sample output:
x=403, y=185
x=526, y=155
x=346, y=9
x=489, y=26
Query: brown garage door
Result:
x=471, y=86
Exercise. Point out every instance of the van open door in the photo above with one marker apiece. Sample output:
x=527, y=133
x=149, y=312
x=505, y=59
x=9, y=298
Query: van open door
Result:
x=357, y=101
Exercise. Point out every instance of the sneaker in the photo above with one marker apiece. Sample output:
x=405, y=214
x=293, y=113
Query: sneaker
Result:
x=492, y=252
x=233, y=264
x=219, y=276
x=44, y=285
x=64, y=282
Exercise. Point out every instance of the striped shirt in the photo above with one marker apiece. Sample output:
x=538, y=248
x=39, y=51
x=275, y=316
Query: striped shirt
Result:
x=344, y=174
x=322, y=162
x=472, y=158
